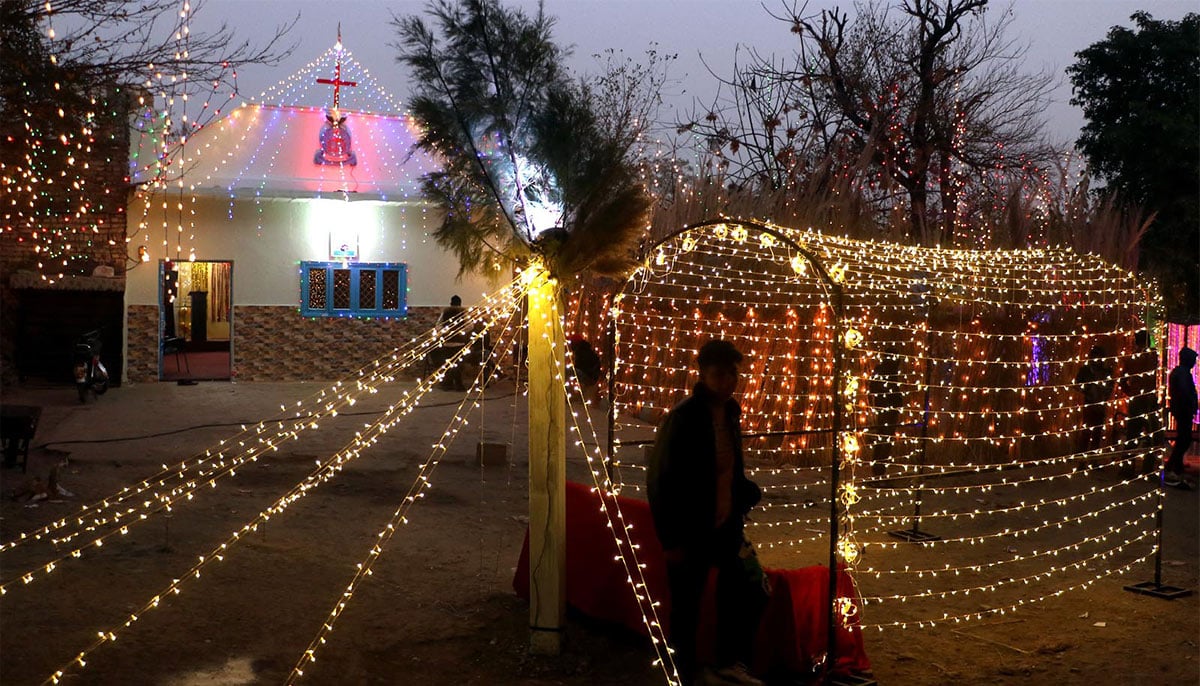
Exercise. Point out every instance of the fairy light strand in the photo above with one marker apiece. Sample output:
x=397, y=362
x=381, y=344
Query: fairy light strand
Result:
x=325, y=471
x=123, y=520
x=399, y=517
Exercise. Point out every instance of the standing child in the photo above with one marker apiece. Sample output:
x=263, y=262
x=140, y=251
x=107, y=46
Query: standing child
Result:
x=699, y=496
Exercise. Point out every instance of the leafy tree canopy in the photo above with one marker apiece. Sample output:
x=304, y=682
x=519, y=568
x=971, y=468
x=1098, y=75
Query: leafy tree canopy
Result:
x=1141, y=100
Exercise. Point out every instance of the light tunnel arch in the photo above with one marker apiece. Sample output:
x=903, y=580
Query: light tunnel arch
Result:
x=776, y=272
x=748, y=282
x=980, y=318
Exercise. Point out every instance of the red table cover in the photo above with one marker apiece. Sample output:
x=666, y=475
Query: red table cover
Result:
x=793, y=629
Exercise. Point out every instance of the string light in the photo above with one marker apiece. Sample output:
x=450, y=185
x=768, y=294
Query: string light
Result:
x=416, y=491
x=69, y=184
x=1138, y=520
x=603, y=485
x=1051, y=571
x=325, y=471
x=215, y=464
x=961, y=324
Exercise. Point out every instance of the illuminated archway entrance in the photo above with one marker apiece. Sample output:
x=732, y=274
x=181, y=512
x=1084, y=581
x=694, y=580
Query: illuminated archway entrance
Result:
x=759, y=288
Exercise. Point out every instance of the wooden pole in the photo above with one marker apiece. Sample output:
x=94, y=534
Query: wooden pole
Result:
x=547, y=470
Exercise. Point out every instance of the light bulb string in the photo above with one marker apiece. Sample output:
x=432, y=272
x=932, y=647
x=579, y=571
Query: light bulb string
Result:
x=800, y=360
x=1117, y=455
x=1076, y=544
x=160, y=503
x=318, y=476
x=400, y=515
x=858, y=263
x=303, y=419
x=1129, y=449
x=970, y=616
x=967, y=590
x=1036, y=506
x=878, y=514
x=866, y=285
x=281, y=92
x=826, y=399
x=602, y=485
x=873, y=329
x=1129, y=457
x=951, y=260
x=868, y=297
x=883, y=513
x=325, y=471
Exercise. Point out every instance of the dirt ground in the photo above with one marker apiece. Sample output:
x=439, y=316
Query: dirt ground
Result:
x=440, y=606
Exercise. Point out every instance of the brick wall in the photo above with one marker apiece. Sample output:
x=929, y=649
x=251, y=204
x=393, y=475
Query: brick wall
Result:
x=96, y=238
x=275, y=343
x=141, y=357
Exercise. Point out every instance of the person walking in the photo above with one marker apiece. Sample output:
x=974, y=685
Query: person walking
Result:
x=1181, y=389
x=699, y=497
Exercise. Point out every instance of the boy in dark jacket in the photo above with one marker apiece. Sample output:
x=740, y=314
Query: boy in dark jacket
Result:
x=699, y=496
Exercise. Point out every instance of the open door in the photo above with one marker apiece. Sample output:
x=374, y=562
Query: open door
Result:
x=196, y=321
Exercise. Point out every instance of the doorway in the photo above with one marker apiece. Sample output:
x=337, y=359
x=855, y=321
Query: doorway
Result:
x=43, y=325
x=195, y=321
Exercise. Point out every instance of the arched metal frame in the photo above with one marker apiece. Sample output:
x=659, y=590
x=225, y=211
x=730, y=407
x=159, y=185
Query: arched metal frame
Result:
x=837, y=302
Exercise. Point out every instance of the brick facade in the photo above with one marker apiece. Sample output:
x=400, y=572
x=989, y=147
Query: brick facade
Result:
x=97, y=238
x=141, y=355
x=275, y=343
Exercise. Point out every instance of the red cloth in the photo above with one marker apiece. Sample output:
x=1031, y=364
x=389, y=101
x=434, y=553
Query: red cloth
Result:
x=793, y=626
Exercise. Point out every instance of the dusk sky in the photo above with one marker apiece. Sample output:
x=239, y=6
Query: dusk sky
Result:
x=699, y=31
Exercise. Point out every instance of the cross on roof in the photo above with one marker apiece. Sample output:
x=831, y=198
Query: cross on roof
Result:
x=337, y=81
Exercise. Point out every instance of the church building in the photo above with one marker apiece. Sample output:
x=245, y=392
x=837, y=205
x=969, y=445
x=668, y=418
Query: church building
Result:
x=286, y=240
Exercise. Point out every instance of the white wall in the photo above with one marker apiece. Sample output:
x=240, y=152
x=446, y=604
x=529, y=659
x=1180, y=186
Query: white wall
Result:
x=267, y=239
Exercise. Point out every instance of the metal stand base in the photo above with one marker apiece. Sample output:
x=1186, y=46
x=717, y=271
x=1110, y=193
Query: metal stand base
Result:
x=914, y=536
x=1157, y=590
x=851, y=680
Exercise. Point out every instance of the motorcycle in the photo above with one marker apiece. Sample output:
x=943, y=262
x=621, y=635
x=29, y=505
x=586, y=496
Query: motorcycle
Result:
x=90, y=374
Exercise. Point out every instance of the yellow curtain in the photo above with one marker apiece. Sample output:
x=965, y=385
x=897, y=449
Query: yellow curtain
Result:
x=219, y=293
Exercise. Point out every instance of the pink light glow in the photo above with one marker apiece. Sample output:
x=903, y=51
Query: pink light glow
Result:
x=1179, y=335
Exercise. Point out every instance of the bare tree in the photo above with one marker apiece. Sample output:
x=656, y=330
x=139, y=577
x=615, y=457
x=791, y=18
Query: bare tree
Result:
x=930, y=94
x=628, y=94
x=131, y=43
x=71, y=71
x=766, y=125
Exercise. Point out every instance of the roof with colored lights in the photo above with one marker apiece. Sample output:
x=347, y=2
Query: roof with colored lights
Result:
x=274, y=147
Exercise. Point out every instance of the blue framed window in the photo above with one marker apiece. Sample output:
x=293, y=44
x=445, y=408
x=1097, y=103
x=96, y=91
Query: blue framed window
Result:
x=353, y=289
